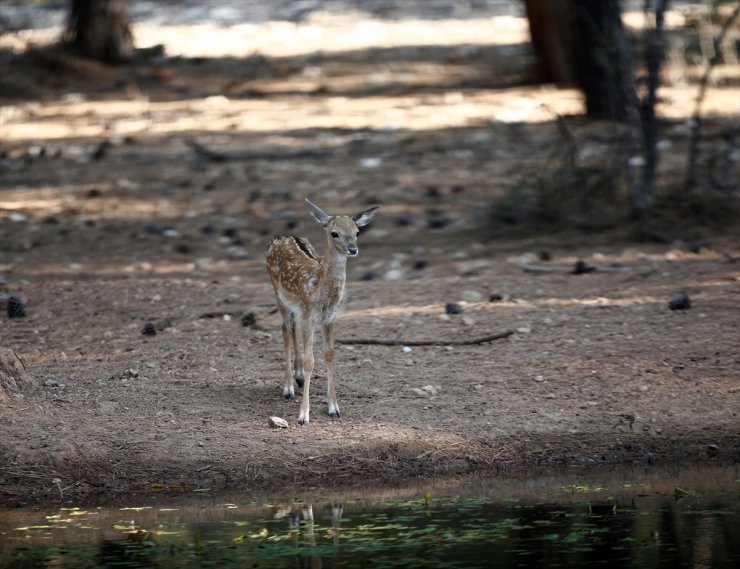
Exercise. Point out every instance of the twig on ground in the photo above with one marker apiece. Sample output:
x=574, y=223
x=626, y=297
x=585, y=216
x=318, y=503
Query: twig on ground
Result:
x=568, y=269
x=214, y=156
x=470, y=342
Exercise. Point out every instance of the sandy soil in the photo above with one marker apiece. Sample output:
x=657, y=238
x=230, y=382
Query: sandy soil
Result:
x=110, y=220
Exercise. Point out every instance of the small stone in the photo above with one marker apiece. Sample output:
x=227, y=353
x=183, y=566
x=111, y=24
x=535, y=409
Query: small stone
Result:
x=51, y=383
x=581, y=268
x=430, y=389
x=468, y=321
x=539, y=378
x=16, y=307
x=438, y=222
x=156, y=228
x=407, y=349
x=394, y=275
x=248, y=318
x=420, y=264
x=278, y=423
x=149, y=329
x=369, y=276
x=453, y=308
x=680, y=302
x=524, y=330
x=405, y=219
x=495, y=297
x=698, y=246
x=419, y=392
x=132, y=373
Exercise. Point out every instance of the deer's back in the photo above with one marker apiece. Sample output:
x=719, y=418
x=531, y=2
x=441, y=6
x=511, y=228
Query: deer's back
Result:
x=294, y=268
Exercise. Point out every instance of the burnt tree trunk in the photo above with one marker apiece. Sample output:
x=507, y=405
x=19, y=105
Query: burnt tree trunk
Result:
x=101, y=29
x=583, y=42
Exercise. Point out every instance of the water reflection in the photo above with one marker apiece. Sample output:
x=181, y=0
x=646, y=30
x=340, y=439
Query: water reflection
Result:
x=563, y=524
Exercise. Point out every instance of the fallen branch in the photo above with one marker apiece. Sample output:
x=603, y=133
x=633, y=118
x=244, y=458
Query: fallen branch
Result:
x=575, y=270
x=470, y=342
x=214, y=156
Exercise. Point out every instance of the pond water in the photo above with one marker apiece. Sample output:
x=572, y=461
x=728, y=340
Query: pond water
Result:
x=623, y=518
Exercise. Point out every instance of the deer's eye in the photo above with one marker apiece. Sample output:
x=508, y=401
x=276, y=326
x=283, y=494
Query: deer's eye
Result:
x=335, y=235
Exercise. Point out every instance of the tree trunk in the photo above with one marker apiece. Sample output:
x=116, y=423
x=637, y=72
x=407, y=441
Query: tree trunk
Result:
x=101, y=29
x=552, y=39
x=584, y=42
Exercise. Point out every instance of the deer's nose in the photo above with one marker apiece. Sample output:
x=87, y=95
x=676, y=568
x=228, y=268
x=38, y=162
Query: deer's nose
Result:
x=352, y=250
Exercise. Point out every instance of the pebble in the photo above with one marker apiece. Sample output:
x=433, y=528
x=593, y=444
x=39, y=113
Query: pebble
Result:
x=407, y=349
x=278, y=423
x=680, y=302
x=453, y=308
x=371, y=162
x=16, y=306
x=539, y=378
x=149, y=329
x=405, y=219
x=581, y=268
x=248, y=318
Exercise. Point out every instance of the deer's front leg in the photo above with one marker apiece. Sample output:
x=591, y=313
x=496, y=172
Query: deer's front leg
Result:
x=308, y=362
x=289, y=347
x=298, y=359
x=331, y=392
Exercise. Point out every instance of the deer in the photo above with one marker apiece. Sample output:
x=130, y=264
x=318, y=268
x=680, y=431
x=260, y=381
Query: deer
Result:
x=308, y=291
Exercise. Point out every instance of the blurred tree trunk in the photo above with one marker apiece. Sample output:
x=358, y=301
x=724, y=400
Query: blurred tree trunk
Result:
x=101, y=29
x=584, y=42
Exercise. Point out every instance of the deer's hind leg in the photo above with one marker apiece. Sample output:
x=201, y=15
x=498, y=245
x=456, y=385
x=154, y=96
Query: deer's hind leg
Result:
x=289, y=347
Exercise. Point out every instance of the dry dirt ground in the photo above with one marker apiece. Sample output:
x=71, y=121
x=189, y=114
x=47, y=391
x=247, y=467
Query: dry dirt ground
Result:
x=109, y=219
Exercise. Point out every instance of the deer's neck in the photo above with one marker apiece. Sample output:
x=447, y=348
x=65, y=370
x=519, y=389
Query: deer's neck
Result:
x=331, y=281
x=333, y=268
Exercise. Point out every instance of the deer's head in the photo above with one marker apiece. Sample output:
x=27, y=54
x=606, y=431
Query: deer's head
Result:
x=342, y=230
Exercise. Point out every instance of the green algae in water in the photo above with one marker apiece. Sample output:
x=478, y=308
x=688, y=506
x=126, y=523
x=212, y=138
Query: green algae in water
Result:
x=433, y=532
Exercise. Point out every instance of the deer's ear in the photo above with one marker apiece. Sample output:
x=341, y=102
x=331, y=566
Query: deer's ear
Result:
x=318, y=214
x=363, y=218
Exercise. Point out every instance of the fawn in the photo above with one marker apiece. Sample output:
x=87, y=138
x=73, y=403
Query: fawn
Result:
x=308, y=290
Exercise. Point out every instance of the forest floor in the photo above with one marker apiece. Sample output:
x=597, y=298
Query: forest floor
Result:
x=148, y=193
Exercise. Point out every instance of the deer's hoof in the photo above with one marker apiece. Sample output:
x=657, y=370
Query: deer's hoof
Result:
x=335, y=414
x=288, y=396
x=299, y=381
x=303, y=422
